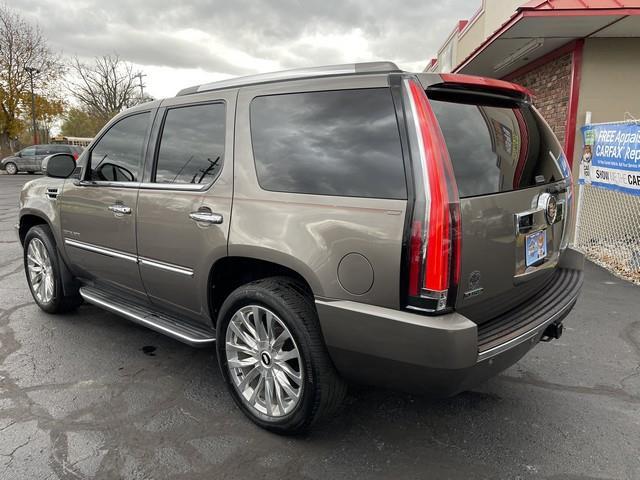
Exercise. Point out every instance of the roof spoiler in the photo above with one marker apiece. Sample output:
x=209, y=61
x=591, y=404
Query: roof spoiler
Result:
x=486, y=84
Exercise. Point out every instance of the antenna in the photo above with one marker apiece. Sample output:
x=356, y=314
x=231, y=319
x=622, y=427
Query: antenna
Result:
x=139, y=76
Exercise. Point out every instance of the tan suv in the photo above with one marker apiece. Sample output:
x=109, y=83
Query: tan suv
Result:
x=353, y=222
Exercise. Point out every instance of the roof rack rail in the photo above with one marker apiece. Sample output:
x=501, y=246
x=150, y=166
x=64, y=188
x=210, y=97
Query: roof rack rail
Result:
x=298, y=73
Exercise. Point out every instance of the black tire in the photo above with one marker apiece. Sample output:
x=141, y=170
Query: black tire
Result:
x=59, y=302
x=323, y=390
x=11, y=168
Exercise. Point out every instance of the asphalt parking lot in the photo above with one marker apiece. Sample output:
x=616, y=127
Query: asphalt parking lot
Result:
x=90, y=395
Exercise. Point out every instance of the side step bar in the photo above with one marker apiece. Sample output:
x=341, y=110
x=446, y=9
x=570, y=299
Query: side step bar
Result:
x=184, y=331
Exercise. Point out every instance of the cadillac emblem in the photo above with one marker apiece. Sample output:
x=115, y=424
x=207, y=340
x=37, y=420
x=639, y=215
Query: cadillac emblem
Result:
x=549, y=203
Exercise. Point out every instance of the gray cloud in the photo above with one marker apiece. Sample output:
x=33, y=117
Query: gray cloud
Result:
x=143, y=31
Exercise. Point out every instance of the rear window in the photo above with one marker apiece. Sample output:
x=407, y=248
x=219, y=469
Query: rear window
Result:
x=342, y=143
x=496, y=145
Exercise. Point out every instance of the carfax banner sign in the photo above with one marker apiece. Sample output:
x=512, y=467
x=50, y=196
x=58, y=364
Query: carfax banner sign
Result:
x=611, y=157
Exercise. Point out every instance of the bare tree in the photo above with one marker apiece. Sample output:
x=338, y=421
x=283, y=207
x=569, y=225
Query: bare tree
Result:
x=21, y=45
x=106, y=86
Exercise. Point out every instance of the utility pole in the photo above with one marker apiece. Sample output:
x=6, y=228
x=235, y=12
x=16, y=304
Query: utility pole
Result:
x=139, y=77
x=33, y=71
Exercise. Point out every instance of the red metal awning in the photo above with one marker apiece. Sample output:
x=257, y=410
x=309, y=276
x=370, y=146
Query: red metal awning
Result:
x=542, y=26
x=579, y=4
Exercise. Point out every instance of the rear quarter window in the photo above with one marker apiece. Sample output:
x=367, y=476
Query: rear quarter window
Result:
x=341, y=143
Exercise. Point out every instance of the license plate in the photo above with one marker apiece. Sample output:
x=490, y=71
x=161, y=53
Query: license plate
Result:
x=536, y=247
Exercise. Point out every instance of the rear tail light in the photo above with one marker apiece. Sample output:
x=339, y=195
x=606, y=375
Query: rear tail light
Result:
x=434, y=243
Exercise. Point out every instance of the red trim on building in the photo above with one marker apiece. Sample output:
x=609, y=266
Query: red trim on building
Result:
x=579, y=4
x=604, y=12
x=574, y=96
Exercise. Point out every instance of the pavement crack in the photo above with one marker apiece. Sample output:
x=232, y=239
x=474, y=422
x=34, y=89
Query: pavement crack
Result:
x=8, y=426
x=13, y=452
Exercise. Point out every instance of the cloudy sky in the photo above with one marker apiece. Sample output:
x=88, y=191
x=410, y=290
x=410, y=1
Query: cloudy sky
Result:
x=179, y=43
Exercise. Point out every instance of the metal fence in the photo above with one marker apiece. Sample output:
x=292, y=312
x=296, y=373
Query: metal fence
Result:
x=608, y=230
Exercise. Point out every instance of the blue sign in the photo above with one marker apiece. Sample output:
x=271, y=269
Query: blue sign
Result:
x=611, y=157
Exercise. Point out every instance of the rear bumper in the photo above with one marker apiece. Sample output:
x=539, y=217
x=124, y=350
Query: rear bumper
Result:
x=441, y=355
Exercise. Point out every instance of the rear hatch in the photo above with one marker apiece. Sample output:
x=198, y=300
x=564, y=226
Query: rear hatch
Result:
x=511, y=177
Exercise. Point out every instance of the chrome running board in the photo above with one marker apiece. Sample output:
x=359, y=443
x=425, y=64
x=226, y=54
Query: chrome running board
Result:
x=184, y=331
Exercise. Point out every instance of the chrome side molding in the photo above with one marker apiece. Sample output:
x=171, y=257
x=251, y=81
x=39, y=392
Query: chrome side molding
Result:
x=101, y=250
x=169, y=267
x=166, y=266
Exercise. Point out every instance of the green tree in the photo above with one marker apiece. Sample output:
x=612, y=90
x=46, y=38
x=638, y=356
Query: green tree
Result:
x=79, y=123
x=21, y=45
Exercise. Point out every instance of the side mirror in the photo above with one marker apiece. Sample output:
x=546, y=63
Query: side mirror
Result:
x=19, y=154
x=59, y=165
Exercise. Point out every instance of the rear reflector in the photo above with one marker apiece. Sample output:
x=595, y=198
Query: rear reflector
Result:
x=434, y=247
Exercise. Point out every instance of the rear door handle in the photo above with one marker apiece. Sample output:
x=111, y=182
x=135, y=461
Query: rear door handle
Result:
x=206, y=217
x=120, y=209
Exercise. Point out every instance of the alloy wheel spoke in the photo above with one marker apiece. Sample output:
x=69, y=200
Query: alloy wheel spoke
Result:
x=39, y=253
x=244, y=363
x=48, y=286
x=36, y=286
x=284, y=355
x=269, y=322
x=268, y=394
x=279, y=398
x=285, y=385
x=249, y=377
x=250, y=342
x=242, y=349
x=247, y=324
x=279, y=342
x=262, y=334
x=292, y=374
x=256, y=391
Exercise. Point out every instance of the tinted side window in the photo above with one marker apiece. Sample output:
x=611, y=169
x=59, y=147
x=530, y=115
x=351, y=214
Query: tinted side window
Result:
x=117, y=157
x=192, y=144
x=59, y=149
x=343, y=143
x=28, y=152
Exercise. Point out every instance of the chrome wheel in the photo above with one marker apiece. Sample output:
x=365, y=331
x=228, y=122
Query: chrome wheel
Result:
x=264, y=361
x=40, y=271
x=11, y=168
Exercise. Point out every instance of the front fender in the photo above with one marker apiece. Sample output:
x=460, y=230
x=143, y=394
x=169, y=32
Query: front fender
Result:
x=37, y=199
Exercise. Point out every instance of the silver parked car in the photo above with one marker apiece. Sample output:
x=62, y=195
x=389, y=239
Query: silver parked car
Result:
x=346, y=223
x=29, y=159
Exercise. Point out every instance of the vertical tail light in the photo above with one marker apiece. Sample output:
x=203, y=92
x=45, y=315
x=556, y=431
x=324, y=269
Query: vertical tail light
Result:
x=434, y=243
